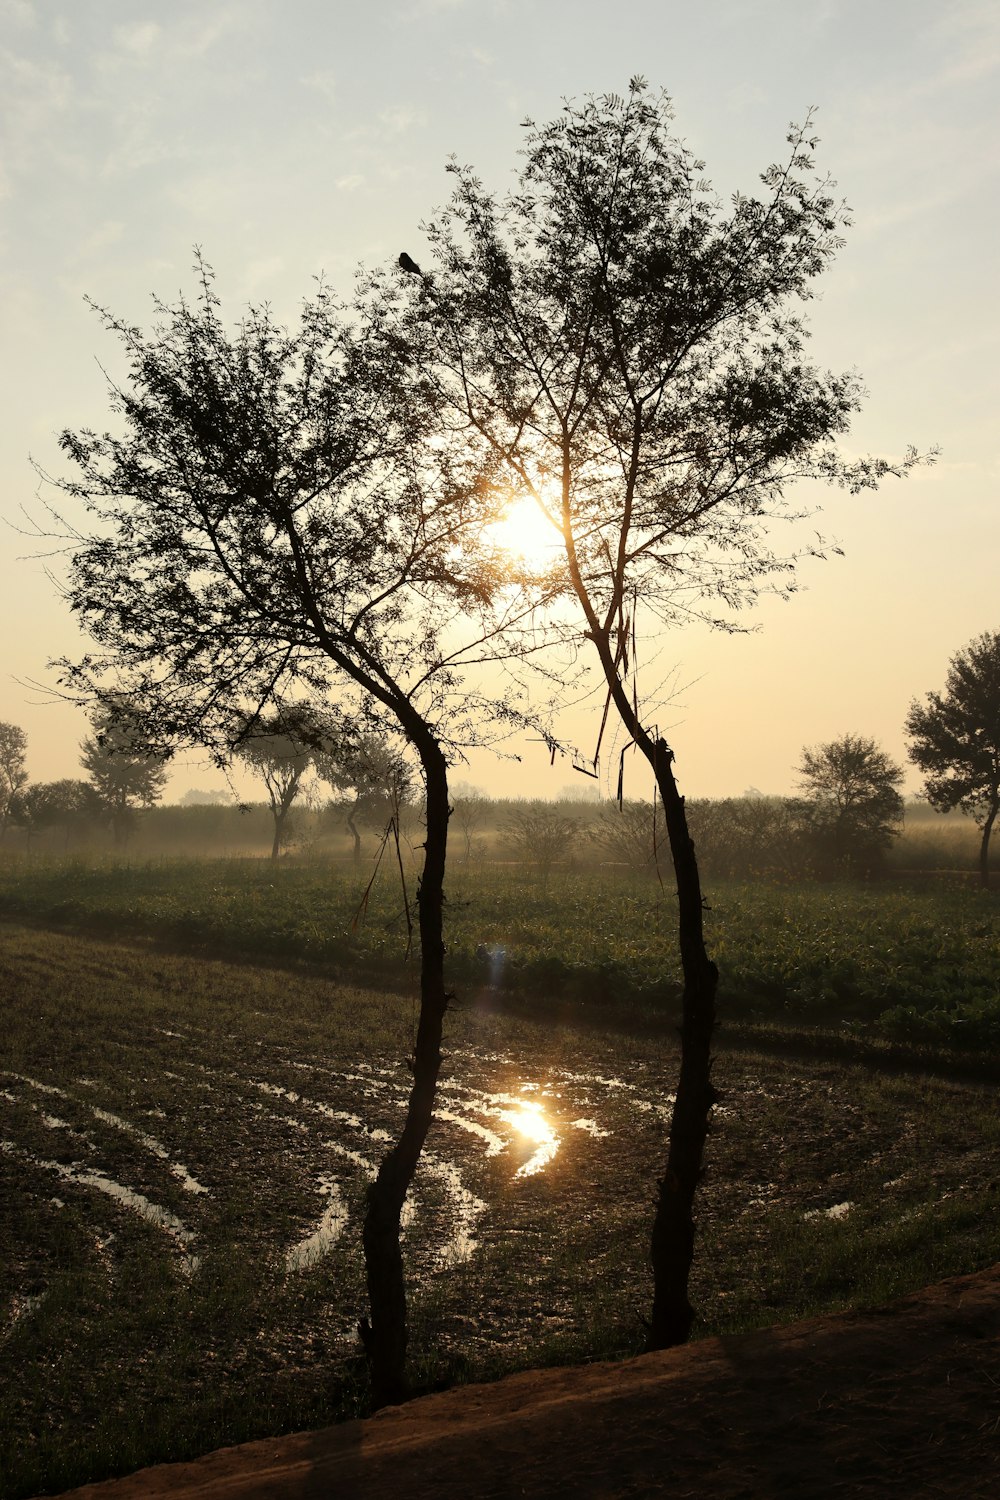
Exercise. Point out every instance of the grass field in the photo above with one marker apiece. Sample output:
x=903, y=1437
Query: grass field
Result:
x=185, y=1142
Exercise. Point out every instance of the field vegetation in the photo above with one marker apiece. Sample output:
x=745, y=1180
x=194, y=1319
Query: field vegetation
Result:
x=913, y=956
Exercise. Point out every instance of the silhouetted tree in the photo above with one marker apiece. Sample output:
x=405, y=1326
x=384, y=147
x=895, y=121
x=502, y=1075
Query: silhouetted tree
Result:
x=371, y=776
x=75, y=807
x=956, y=740
x=539, y=834
x=470, y=810
x=124, y=774
x=277, y=520
x=852, y=809
x=272, y=747
x=13, y=773
x=631, y=833
x=632, y=354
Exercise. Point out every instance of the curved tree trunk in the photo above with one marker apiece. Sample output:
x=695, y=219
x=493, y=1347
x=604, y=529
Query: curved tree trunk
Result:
x=672, y=1244
x=672, y=1240
x=384, y=1333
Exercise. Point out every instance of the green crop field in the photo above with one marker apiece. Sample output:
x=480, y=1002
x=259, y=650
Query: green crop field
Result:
x=922, y=964
x=201, y=1063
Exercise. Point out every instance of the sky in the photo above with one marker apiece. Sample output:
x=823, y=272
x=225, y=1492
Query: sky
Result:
x=306, y=137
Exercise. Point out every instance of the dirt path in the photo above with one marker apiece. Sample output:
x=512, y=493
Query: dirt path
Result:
x=904, y=1401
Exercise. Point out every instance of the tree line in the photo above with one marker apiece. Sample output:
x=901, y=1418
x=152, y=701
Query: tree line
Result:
x=370, y=781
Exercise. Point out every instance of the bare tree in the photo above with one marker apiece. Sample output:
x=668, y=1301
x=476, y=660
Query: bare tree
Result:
x=632, y=353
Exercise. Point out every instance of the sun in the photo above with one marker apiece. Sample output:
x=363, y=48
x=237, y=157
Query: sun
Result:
x=523, y=533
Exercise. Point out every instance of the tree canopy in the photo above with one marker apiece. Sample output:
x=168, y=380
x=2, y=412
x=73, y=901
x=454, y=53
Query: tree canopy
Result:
x=632, y=355
x=13, y=772
x=275, y=516
x=124, y=773
x=955, y=739
x=851, y=808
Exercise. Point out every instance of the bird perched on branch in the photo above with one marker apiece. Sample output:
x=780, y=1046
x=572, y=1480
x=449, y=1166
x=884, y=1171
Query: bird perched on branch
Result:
x=409, y=265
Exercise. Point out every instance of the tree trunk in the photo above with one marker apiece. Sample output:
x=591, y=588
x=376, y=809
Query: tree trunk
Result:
x=385, y=1332
x=279, y=820
x=353, y=830
x=672, y=1244
x=672, y=1240
x=984, y=848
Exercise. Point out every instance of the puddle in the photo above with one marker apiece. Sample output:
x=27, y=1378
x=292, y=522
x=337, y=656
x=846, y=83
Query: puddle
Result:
x=54, y=1122
x=153, y=1213
x=354, y=1157
x=177, y=1169
x=342, y=1116
x=590, y=1127
x=43, y=1088
x=494, y=1143
x=529, y=1123
x=468, y=1211
x=327, y=1232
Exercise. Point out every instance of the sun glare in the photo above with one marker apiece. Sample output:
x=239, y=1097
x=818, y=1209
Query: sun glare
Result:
x=528, y=1119
x=526, y=536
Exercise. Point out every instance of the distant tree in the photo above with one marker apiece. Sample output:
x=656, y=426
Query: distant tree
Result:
x=470, y=812
x=633, y=353
x=13, y=774
x=540, y=835
x=631, y=833
x=75, y=807
x=745, y=837
x=851, y=808
x=274, y=748
x=371, y=776
x=956, y=740
x=125, y=774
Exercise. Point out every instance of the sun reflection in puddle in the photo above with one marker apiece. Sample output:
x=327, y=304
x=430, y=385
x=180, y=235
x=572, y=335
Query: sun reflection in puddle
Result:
x=528, y=1119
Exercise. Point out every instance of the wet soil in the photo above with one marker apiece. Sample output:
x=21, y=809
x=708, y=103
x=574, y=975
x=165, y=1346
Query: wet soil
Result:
x=900, y=1401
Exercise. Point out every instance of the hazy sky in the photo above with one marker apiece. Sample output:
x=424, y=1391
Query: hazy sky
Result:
x=306, y=136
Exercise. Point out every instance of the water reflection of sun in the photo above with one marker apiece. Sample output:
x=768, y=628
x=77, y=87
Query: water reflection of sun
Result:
x=528, y=1119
